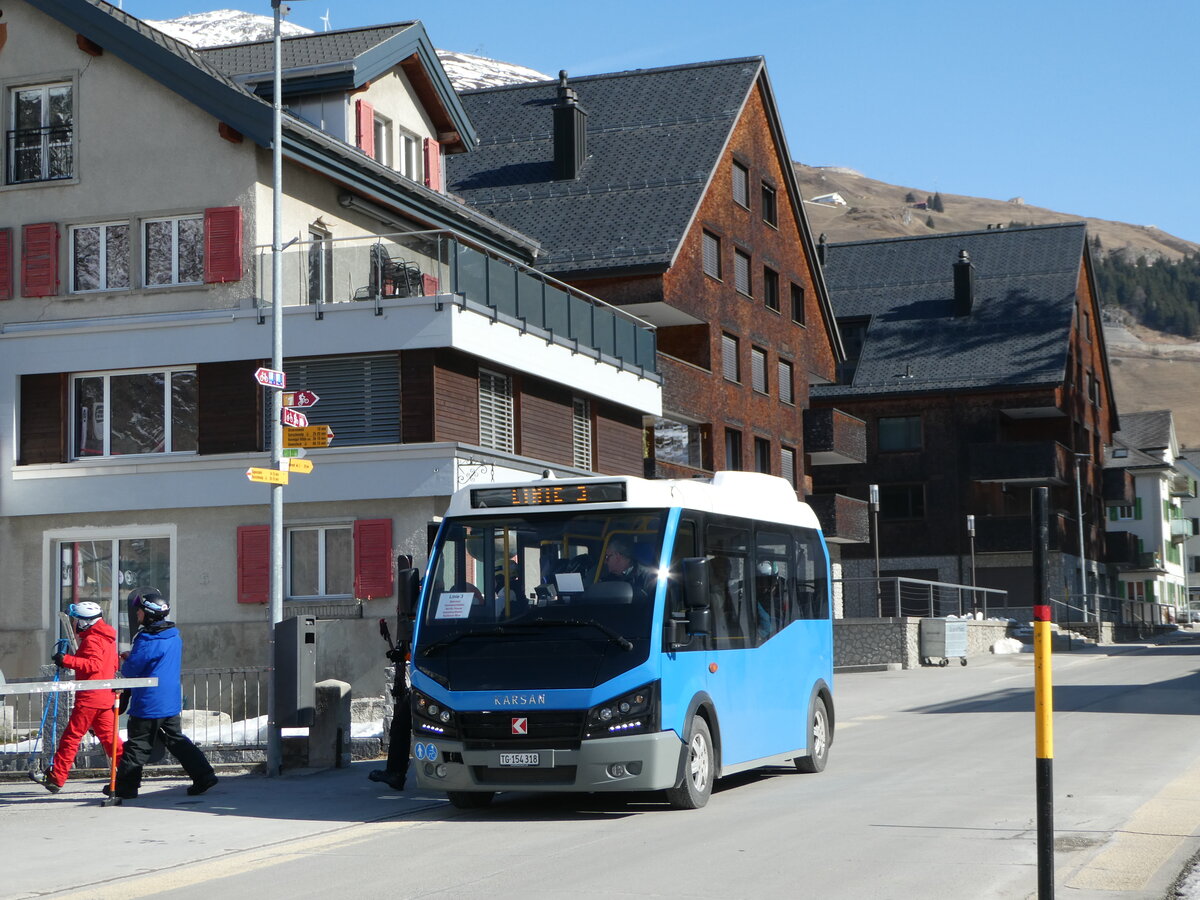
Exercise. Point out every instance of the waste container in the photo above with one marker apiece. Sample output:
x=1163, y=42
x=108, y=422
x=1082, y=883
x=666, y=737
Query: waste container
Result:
x=942, y=640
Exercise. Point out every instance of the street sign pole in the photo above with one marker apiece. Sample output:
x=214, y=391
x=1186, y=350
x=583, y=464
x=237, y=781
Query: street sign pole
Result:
x=275, y=615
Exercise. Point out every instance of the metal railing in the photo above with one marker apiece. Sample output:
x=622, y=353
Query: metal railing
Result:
x=223, y=709
x=39, y=154
x=375, y=268
x=864, y=598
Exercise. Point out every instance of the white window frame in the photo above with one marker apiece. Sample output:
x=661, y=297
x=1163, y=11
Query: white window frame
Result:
x=382, y=126
x=11, y=121
x=106, y=407
x=581, y=433
x=411, y=162
x=322, y=531
x=102, y=263
x=320, y=257
x=115, y=611
x=497, y=424
x=174, y=220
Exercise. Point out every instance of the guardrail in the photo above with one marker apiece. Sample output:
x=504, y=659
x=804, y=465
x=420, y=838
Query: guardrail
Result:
x=223, y=709
x=864, y=598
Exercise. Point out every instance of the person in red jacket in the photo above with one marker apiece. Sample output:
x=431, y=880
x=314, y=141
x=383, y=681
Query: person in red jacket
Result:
x=96, y=660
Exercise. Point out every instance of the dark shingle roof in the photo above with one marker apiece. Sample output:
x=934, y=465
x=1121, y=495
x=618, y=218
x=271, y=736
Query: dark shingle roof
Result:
x=1149, y=430
x=1016, y=334
x=653, y=138
x=323, y=49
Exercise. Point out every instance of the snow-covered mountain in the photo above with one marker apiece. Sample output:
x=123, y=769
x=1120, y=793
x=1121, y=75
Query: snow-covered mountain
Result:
x=232, y=26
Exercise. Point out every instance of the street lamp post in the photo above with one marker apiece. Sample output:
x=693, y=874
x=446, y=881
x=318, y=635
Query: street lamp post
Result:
x=874, y=496
x=1082, y=546
x=971, y=536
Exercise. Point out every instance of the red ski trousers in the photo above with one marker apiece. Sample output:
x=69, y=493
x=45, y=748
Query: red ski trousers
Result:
x=83, y=719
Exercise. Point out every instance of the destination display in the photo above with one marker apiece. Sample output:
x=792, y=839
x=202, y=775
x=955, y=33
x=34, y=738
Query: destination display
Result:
x=548, y=494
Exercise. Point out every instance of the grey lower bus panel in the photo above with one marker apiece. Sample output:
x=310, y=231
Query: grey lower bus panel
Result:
x=652, y=762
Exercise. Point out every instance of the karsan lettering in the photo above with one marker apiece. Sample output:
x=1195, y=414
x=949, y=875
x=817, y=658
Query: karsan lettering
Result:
x=520, y=700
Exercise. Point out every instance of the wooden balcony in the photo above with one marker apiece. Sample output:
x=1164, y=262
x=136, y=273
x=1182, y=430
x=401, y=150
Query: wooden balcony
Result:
x=1118, y=487
x=1022, y=462
x=1121, y=548
x=832, y=437
x=1014, y=534
x=844, y=520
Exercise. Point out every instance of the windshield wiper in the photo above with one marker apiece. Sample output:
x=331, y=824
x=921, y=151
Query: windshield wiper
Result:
x=616, y=637
x=459, y=635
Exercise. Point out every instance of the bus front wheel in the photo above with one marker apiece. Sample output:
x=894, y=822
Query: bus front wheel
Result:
x=696, y=787
x=469, y=799
x=819, y=736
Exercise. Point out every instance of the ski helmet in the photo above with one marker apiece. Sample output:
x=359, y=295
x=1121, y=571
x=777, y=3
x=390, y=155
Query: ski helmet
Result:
x=151, y=602
x=85, y=614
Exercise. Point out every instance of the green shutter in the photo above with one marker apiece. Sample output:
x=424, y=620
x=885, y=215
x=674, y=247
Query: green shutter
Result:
x=1137, y=508
x=1112, y=513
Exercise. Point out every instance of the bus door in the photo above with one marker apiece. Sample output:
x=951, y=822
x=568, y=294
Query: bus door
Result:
x=734, y=678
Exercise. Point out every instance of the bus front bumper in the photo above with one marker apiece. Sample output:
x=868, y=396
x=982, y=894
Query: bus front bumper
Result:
x=640, y=762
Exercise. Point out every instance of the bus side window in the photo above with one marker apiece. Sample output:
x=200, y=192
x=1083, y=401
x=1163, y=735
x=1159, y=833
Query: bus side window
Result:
x=773, y=583
x=728, y=549
x=810, y=578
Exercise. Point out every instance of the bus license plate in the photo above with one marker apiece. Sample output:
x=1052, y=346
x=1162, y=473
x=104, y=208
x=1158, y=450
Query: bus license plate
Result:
x=519, y=759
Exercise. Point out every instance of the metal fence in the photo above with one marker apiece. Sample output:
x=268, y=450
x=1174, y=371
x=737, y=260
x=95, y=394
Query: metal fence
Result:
x=865, y=598
x=223, y=709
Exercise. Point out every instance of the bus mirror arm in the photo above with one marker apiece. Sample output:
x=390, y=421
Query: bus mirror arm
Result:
x=407, y=589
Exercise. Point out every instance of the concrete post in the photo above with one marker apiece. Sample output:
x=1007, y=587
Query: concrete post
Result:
x=329, y=734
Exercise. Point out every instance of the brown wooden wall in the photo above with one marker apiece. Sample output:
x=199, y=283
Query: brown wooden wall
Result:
x=546, y=421
x=43, y=419
x=617, y=438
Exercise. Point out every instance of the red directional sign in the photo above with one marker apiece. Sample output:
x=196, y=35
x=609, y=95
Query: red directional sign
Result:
x=270, y=378
x=293, y=419
x=300, y=399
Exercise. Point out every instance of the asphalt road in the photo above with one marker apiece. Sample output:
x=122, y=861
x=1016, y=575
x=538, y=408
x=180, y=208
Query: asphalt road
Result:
x=929, y=793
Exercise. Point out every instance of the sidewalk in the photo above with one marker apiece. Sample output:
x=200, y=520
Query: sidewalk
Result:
x=41, y=833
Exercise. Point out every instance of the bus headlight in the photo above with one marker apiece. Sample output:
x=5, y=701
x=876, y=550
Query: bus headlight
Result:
x=632, y=713
x=431, y=717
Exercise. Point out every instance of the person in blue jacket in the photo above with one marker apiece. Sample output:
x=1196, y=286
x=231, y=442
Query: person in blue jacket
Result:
x=157, y=652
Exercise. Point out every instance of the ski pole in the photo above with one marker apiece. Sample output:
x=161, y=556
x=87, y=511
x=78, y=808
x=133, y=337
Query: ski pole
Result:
x=112, y=799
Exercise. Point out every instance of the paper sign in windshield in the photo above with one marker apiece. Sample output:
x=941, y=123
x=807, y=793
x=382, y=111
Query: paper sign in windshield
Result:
x=454, y=604
x=568, y=582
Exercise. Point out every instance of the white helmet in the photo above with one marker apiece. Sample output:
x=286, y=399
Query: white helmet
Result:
x=86, y=613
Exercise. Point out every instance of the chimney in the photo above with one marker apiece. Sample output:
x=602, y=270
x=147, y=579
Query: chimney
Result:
x=964, y=284
x=821, y=249
x=570, y=132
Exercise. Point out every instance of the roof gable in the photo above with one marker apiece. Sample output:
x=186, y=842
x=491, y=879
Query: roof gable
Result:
x=1017, y=333
x=654, y=138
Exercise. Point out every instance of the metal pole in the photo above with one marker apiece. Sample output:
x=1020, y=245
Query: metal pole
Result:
x=874, y=495
x=971, y=535
x=1043, y=696
x=274, y=746
x=1082, y=547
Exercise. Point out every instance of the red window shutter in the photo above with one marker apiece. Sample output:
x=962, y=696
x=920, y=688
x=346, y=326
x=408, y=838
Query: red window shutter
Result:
x=373, y=576
x=253, y=563
x=39, y=260
x=364, y=116
x=223, y=244
x=6, y=282
x=433, y=164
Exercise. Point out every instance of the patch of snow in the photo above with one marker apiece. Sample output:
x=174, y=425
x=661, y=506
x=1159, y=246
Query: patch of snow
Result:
x=1009, y=645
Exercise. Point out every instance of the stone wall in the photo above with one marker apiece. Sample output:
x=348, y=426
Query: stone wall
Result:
x=897, y=642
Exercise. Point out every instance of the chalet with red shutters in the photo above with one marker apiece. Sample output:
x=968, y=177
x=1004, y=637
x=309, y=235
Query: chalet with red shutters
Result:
x=135, y=286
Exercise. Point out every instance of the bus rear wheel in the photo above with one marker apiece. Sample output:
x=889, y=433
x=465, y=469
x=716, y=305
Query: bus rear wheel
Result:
x=697, y=783
x=470, y=799
x=819, y=738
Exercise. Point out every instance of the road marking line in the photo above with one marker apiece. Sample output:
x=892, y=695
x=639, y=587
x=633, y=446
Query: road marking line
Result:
x=149, y=884
x=1144, y=843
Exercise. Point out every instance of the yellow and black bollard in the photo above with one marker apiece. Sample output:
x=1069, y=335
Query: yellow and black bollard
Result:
x=1043, y=697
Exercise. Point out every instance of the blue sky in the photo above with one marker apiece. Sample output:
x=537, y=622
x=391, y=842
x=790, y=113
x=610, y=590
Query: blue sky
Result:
x=1083, y=107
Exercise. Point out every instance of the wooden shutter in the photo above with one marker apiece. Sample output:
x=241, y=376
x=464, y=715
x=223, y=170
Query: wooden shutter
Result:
x=6, y=264
x=373, y=575
x=253, y=563
x=364, y=122
x=39, y=260
x=222, y=244
x=495, y=411
x=43, y=424
x=433, y=164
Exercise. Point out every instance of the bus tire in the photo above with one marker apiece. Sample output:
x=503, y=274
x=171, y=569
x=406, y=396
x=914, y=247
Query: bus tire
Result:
x=470, y=799
x=815, y=761
x=695, y=789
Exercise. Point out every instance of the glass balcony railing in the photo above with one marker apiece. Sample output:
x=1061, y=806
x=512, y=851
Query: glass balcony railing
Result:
x=325, y=272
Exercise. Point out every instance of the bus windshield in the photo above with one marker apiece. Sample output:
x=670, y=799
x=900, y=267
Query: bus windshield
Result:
x=540, y=600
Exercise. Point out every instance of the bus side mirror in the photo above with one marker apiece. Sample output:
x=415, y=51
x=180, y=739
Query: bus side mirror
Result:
x=695, y=582
x=406, y=593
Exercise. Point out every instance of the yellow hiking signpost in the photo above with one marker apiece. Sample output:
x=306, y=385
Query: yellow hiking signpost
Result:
x=310, y=436
x=268, y=476
x=303, y=466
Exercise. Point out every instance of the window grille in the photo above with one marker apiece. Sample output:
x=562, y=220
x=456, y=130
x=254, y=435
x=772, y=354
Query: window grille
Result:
x=581, y=434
